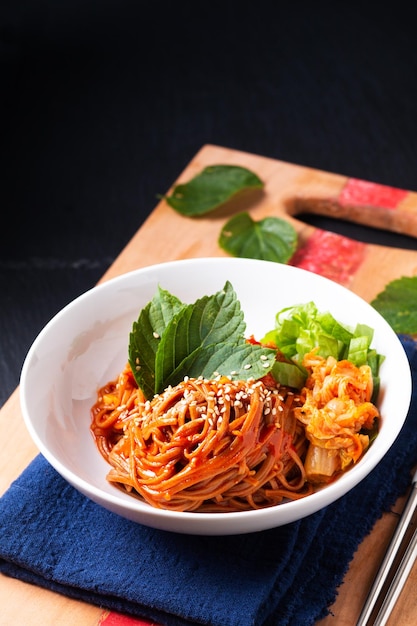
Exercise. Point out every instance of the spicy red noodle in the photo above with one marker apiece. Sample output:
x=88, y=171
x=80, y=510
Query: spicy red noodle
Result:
x=203, y=445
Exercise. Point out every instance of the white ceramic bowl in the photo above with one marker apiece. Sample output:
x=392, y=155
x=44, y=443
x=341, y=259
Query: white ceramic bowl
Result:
x=85, y=345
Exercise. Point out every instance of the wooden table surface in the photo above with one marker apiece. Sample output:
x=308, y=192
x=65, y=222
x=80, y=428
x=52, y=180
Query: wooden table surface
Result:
x=166, y=236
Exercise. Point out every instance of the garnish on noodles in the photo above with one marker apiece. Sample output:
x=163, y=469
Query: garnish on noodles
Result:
x=205, y=419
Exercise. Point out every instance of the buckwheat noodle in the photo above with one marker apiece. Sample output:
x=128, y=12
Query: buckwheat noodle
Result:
x=203, y=445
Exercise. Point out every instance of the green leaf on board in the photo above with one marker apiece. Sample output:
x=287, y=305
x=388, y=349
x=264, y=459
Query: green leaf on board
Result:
x=214, y=186
x=397, y=304
x=270, y=239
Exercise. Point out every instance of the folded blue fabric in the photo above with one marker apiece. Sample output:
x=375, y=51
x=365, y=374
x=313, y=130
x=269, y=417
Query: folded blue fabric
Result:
x=54, y=537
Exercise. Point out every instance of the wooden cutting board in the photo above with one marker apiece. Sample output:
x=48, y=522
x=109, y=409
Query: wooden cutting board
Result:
x=165, y=236
x=289, y=190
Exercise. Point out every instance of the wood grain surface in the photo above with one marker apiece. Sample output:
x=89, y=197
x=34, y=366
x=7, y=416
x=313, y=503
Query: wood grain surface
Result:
x=165, y=236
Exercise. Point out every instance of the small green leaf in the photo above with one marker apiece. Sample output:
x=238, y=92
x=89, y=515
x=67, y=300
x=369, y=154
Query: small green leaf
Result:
x=398, y=304
x=171, y=340
x=289, y=374
x=212, y=187
x=145, y=337
x=210, y=320
x=239, y=361
x=270, y=239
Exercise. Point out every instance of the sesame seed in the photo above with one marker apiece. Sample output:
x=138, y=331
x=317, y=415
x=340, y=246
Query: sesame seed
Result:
x=247, y=366
x=156, y=335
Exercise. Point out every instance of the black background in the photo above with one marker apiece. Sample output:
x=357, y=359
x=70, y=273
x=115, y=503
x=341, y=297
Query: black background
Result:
x=105, y=103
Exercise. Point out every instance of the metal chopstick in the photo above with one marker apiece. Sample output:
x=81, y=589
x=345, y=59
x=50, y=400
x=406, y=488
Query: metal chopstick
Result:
x=398, y=582
x=395, y=568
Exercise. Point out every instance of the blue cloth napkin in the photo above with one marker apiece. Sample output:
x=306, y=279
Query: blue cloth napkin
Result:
x=54, y=537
